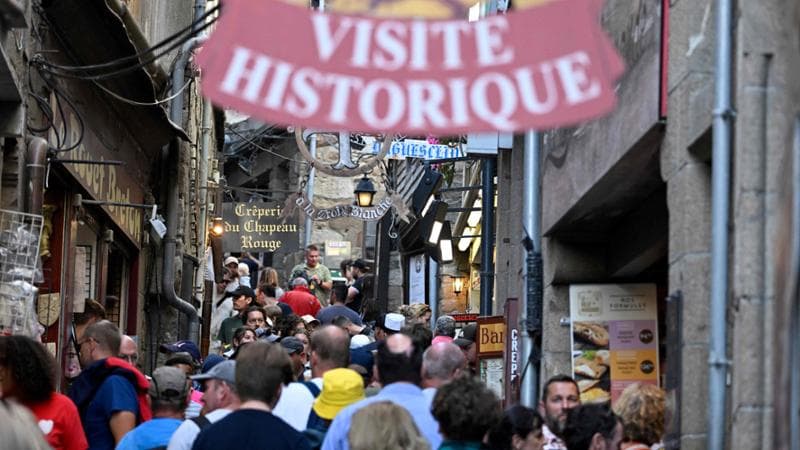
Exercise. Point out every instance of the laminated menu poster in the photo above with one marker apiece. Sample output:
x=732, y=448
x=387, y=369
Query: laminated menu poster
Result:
x=614, y=338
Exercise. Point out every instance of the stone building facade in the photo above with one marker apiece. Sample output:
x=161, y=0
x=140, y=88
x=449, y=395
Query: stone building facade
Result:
x=627, y=198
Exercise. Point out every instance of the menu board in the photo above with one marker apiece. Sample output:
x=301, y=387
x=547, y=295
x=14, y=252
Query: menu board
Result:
x=614, y=338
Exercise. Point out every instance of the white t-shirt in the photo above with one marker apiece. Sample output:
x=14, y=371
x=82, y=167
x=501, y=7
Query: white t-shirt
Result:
x=187, y=432
x=295, y=404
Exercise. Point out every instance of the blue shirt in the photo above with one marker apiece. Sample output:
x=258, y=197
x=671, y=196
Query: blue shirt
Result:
x=406, y=395
x=150, y=434
x=114, y=395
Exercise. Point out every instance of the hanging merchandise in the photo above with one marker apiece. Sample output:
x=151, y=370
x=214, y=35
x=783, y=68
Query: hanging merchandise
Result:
x=20, y=234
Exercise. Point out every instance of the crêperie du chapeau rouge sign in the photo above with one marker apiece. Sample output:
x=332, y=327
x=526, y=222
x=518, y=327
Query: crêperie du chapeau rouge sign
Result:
x=542, y=67
x=258, y=227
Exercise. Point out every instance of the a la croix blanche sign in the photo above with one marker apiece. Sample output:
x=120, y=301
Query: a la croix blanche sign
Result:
x=542, y=67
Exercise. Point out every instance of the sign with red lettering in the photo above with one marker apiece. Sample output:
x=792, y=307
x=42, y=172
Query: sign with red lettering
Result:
x=542, y=67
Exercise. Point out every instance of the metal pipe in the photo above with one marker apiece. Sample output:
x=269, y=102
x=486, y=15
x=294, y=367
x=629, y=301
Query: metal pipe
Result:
x=720, y=190
x=171, y=158
x=205, y=143
x=35, y=164
x=433, y=290
x=531, y=221
x=199, y=9
x=308, y=224
x=487, y=238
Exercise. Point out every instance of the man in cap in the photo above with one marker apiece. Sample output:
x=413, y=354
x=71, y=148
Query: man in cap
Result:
x=184, y=347
x=315, y=273
x=296, y=350
x=232, y=263
x=355, y=293
x=169, y=392
x=261, y=371
x=220, y=398
x=466, y=342
x=243, y=297
x=340, y=388
x=300, y=298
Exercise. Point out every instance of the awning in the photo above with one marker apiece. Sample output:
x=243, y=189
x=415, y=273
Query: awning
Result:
x=93, y=33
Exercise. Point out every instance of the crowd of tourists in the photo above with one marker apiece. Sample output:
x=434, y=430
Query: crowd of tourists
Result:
x=294, y=372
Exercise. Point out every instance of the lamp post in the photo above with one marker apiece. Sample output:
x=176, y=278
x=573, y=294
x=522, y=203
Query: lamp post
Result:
x=364, y=192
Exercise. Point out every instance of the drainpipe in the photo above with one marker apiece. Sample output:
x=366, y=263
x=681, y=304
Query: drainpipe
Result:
x=35, y=162
x=720, y=179
x=205, y=144
x=532, y=306
x=171, y=157
x=487, y=238
x=308, y=225
x=433, y=290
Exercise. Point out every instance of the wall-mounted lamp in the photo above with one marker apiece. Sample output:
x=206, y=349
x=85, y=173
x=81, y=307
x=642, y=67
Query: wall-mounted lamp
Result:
x=458, y=284
x=217, y=226
x=365, y=192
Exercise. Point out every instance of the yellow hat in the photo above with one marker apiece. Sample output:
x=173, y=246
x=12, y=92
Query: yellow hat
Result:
x=340, y=388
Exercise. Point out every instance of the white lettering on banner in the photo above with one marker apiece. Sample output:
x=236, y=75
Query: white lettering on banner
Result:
x=514, y=354
x=492, y=96
x=413, y=148
x=322, y=214
x=389, y=45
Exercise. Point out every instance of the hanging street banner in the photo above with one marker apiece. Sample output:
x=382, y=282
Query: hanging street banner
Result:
x=547, y=66
x=258, y=227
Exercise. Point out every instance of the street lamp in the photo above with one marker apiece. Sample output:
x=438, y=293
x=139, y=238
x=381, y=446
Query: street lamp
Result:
x=438, y=212
x=217, y=227
x=365, y=192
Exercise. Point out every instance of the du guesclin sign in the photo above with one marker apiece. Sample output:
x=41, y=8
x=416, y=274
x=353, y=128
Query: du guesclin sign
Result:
x=546, y=66
x=258, y=227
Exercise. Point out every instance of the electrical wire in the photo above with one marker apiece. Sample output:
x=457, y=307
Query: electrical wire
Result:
x=39, y=61
x=135, y=103
x=143, y=53
x=251, y=142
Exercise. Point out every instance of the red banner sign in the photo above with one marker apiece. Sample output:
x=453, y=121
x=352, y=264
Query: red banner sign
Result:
x=542, y=67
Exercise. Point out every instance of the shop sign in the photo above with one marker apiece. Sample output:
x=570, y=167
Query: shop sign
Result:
x=543, y=67
x=258, y=227
x=491, y=336
x=513, y=351
x=416, y=148
x=370, y=214
x=614, y=338
x=103, y=182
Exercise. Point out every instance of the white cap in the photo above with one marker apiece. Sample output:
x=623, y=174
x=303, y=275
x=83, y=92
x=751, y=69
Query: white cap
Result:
x=231, y=260
x=359, y=341
x=394, y=321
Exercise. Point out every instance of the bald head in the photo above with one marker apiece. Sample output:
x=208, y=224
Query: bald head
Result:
x=400, y=344
x=441, y=363
x=128, y=350
x=299, y=281
x=398, y=360
x=330, y=349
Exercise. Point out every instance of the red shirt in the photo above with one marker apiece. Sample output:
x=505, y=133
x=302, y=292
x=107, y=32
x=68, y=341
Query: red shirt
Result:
x=59, y=421
x=302, y=301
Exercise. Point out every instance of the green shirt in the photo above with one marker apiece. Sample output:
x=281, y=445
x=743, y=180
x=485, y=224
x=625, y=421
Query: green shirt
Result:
x=321, y=272
x=228, y=327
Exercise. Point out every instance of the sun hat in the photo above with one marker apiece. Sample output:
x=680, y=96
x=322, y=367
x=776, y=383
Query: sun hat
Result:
x=340, y=388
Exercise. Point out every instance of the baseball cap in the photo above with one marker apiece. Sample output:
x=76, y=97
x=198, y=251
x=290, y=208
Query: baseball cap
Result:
x=168, y=383
x=308, y=319
x=211, y=361
x=230, y=260
x=467, y=335
x=243, y=290
x=292, y=345
x=393, y=322
x=225, y=371
x=185, y=347
x=359, y=264
x=340, y=388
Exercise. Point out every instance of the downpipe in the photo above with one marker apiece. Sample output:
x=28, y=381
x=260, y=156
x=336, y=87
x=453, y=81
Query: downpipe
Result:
x=171, y=157
x=532, y=306
x=35, y=163
x=720, y=179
